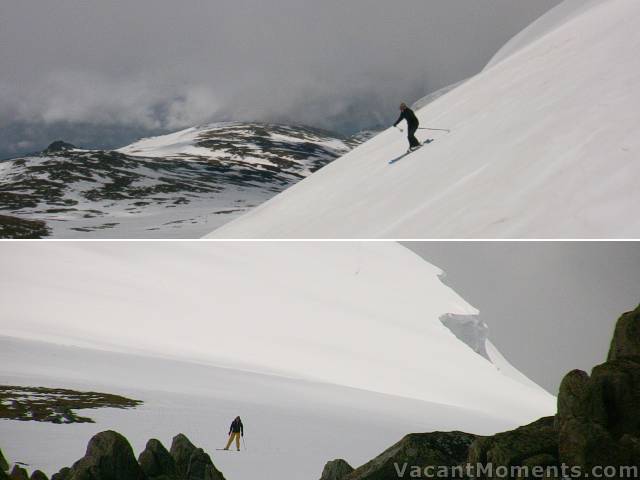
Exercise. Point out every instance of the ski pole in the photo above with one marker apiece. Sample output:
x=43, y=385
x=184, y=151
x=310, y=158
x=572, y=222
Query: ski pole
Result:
x=437, y=129
x=400, y=129
x=244, y=444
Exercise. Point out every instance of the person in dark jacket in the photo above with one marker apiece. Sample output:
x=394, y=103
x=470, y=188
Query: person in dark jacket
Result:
x=236, y=430
x=412, y=125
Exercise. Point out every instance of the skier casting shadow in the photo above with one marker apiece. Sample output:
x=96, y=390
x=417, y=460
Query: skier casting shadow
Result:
x=236, y=430
x=412, y=125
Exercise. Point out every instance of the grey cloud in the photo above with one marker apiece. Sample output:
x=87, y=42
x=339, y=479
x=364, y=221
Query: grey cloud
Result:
x=162, y=64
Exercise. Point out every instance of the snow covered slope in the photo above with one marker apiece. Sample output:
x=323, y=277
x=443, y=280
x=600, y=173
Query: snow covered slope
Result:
x=544, y=143
x=179, y=185
x=200, y=401
x=359, y=315
x=553, y=19
x=343, y=339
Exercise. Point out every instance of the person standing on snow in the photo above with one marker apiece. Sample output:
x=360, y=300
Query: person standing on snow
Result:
x=412, y=125
x=236, y=430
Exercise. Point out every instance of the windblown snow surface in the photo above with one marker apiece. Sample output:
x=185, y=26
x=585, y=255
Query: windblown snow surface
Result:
x=326, y=350
x=544, y=143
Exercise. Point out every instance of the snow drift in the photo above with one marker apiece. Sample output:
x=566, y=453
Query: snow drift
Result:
x=544, y=143
x=357, y=315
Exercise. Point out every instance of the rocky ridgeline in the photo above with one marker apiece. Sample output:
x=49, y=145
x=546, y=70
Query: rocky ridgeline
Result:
x=597, y=424
x=109, y=456
x=219, y=172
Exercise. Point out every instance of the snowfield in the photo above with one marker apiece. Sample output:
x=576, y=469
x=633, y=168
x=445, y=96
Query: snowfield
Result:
x=343, y=339
x=544, y=144
x=201, y=400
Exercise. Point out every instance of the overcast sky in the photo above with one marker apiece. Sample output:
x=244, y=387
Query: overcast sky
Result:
x=550, y=306
x=99, y=71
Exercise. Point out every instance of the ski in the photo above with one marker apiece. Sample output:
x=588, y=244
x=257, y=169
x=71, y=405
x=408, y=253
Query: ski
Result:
x=426, y=142
x=227, y=450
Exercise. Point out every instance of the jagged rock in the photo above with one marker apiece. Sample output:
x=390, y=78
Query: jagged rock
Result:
x=631, y=445
x=63, y=474
x=626, y=336
x=58, y=146
x=336, y=470
x=38, y=475
x=192, y=463
x=597, y=424
x=109, y=457
x=598, y=418
x=615, y=396
x=181, y=450
x=416, y=449
x=156, y=462
x=585, y=444
x=4, y=465
x=573, y=397
x=513, y=448
x=18, y=473
x=201, y=467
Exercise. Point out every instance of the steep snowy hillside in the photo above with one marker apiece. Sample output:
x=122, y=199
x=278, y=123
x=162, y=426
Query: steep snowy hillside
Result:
x=178, y=185
x=543, y=143
x=314, y=311
x=307, y=342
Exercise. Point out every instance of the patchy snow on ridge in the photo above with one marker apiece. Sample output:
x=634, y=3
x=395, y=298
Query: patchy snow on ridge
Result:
x=179, y=185
x=171, y=145
x=543, y=144
x=236, y=142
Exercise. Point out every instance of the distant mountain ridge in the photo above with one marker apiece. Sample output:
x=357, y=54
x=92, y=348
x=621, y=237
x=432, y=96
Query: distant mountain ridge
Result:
x=176, y=185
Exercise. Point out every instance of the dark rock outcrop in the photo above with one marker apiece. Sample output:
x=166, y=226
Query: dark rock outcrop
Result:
x=109, y=457
x=538, y=440
x=58, y=146
x=192, y=463
x=63, y=474
x=156, y=462
x=598, y=419
x=21, y=228
x=18, y=473
x=597, y=424
x=4, y=465
x=436, y=449
x=626, y=336
x=572, y=398
x=181, y=451
x=38, y=475
x=201, y=467
x=336, y=470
